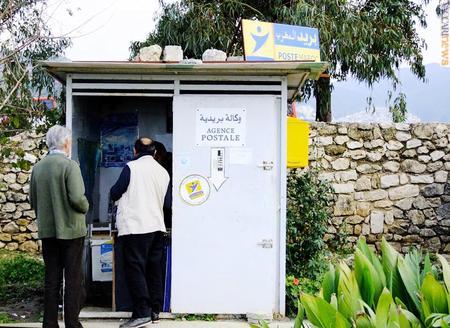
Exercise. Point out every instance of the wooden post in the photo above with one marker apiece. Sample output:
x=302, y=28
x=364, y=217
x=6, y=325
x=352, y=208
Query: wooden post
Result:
x=114, y=307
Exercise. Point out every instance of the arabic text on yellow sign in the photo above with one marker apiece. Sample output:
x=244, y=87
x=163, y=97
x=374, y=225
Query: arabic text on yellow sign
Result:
x=281, y=42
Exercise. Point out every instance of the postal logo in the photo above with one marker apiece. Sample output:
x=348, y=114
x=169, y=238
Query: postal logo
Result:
x=194, y=189
x=260, y=38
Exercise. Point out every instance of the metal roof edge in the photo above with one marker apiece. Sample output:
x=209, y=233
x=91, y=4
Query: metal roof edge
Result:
x=60, y=69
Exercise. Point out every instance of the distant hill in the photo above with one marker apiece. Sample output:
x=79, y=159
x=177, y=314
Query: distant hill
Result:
x=429, y=101
x=378, y=115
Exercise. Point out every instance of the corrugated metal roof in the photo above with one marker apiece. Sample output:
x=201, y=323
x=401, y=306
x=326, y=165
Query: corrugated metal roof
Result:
x=296, y=72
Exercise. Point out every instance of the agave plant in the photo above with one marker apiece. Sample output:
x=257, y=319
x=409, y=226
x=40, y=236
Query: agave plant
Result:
x=388, y=291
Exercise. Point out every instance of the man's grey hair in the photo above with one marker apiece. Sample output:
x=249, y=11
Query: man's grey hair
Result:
x=57, y=136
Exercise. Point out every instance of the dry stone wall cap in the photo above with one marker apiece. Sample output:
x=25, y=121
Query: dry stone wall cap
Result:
x=173, y=54
x=235, y=58
x=191, y=61
x=214, y=55
x=151, y=53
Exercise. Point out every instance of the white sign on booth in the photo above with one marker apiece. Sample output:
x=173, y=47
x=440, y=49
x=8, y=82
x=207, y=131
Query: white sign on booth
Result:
x=220, y=127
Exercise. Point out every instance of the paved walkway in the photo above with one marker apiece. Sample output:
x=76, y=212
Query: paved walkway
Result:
x=162, y=324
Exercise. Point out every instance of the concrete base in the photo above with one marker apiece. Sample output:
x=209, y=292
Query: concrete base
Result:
x=259, y=317
x=96, y=313
x=162, y=324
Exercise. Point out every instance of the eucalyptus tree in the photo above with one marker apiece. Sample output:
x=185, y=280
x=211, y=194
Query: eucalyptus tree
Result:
x=366, y=39
x=25, y=39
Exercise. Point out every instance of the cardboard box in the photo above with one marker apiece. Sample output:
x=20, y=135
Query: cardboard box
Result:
x=102, y=259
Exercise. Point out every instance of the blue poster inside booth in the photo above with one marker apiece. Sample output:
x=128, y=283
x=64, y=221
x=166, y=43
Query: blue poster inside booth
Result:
x=118, y=134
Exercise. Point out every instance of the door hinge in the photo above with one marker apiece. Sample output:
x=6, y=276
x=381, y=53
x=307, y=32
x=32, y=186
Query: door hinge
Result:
x=266, y=243
x=266, y=165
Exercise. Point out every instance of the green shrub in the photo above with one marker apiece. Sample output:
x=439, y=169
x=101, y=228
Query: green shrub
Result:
x=5, y=318
x=296, y=286
x=309, y=204
x=338, y=244
x=21, y=276
x=21, y=269
x=387, y=291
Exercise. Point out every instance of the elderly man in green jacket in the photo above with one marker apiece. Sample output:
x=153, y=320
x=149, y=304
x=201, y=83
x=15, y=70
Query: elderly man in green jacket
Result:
x=57, y=196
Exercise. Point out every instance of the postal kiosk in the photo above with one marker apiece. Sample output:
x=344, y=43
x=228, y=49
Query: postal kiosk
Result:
x=226, y=126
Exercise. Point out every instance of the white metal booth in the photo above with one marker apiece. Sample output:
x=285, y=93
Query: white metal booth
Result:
x=228, y=140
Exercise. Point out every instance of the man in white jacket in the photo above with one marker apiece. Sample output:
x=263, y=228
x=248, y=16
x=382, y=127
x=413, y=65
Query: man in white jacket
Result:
x=140, y=192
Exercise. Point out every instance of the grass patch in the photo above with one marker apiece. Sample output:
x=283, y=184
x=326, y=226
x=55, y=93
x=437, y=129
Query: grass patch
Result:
x=21, y=276
x=7, y=254
x=5, y=318
x=196, y=317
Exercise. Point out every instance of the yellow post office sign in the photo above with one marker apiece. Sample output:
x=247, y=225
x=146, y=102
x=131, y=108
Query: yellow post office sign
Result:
x=280, y=42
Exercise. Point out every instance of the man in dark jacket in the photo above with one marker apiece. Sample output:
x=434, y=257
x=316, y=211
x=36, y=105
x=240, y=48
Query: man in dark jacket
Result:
x=139, y=193
x=57, y=196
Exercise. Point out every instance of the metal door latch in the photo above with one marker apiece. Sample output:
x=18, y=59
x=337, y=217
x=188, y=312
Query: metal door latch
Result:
x=266, y=165
x=266, y=243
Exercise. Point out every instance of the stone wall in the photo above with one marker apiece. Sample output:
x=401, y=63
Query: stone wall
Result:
x=18, y=229
x=389, y=180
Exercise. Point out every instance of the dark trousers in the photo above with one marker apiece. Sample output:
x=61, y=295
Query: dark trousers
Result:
x=63, y=256
x=142, y=255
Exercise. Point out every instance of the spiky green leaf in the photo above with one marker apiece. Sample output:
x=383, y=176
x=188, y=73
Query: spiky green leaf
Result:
x=321, y=314
x=384, y=308
x=349, y=297
x=445, y=271
x=411, y=280
x=373, y=258
x=329, y=284
x=434, y=294
x=369, y=281
x=298, y=323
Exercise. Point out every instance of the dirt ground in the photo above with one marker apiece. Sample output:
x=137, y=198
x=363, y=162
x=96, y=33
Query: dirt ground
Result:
x=24, y=310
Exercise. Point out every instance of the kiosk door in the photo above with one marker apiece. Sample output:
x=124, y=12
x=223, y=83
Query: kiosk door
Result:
x=225, y=204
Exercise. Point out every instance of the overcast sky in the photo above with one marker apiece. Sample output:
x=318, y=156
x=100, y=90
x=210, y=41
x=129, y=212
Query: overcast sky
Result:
x=103, y=29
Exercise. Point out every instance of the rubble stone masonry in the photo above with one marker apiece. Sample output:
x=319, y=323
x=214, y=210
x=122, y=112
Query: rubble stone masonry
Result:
x=389, y=180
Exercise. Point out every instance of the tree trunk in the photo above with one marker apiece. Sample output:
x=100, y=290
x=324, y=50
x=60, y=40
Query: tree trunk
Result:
x=322, y=92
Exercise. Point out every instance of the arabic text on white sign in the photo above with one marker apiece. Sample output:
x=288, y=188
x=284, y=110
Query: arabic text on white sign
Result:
x=220, y=127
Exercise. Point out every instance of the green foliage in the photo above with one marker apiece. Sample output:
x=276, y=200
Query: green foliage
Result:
x=391, y=291
x=364, y=39
x=298, y=322
x=294, y=288
x=21, y=269
x=322, y=314
x=5, y=318
x=398, y=109
x=338, y=243
x=368, y=277
x=196, y=317
x=292, y=292
x=308, y=211
x=20, y=276
x=26, y=39
x=261, y=324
